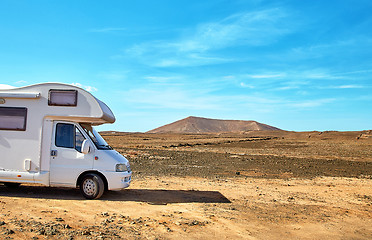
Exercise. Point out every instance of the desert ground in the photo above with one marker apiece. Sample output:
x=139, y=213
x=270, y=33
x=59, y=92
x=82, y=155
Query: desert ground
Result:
x=249, y=185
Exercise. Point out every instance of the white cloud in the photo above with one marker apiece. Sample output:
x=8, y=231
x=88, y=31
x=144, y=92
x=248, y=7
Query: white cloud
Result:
x=356, y=72
x=349, y=86
x=267, y=76
x=189, y=60
x=88, y=88
x=108, y=29
x=113, y=76
x=203, y=99
x=287, y=88
x=248, y=28
x=196, y=47
x=364, y=98
x=21, y=82
x=159, y=79
x=311, y=103
x=91, y=89
x=333, y=48
x=246, y=85
x=170, y=98
x=320, y=76
x=200, y=99
x=6, y=86
x=163, y=79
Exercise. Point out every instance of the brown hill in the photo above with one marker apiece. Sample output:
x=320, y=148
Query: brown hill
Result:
x=207, y=125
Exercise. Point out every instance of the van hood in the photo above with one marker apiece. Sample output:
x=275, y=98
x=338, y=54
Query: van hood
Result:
x=107, y=160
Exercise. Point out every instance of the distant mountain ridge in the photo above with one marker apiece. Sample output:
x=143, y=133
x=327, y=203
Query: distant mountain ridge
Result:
x=206, y=125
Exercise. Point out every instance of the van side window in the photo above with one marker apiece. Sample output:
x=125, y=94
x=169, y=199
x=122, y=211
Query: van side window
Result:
x=67, y=98
x=79, y=138
x=65, y=135
x=13, y=118
x=68, y=136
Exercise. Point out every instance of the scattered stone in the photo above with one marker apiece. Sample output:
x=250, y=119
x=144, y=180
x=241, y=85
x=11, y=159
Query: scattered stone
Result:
x=105, y=214
x=9, y=231
x=194, y=223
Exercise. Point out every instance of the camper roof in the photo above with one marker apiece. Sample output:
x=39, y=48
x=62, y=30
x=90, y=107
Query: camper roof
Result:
x=59, y=102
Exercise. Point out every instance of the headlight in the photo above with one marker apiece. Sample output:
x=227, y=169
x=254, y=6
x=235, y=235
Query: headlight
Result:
x=121, y=167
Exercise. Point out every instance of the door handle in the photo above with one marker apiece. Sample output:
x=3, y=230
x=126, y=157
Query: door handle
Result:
x=53, y=153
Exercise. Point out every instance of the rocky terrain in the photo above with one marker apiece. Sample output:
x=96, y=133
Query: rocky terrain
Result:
x=248, y=185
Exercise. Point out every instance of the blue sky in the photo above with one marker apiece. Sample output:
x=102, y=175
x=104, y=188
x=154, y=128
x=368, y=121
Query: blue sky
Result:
x=296, y=65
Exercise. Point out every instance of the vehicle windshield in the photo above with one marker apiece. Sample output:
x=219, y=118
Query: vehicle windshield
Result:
x=100, y=143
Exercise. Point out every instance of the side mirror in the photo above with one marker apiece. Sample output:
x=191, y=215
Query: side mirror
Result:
x=85, y=147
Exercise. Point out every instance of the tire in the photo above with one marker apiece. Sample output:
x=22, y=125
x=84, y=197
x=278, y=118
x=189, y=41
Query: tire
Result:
x=12, y=184
x=92, y=186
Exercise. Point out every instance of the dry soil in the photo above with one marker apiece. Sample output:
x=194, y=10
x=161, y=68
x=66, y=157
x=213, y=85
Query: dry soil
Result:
x=252, y=185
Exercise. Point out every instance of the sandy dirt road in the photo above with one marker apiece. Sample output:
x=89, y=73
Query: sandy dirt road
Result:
x=176, y=207
x=229, y=188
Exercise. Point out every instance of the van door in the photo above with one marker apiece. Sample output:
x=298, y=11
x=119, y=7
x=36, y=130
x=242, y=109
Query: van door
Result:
x=67, y=162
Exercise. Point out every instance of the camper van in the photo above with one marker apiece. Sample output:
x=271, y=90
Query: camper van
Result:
x=47, y=137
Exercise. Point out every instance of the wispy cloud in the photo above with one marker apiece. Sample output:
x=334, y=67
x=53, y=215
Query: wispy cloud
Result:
x=170, y=98
x=188, y=100
x=265, y=76
x=300, y=80
x=288, y=88
x=189, y=60
x=347, y=47
x=268, y=80
x=107, y=29
x=349, y=86
x=248, y=28
x=116, y=76
x=21, y=82
x=244, y=85
x=311, y=103
x=159, y=78
x=301, y=74
x=197, y=46
x=165, y=81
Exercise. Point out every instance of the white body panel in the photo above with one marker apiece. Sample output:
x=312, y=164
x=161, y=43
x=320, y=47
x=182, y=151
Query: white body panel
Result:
x=67, y=164
x=26, y=154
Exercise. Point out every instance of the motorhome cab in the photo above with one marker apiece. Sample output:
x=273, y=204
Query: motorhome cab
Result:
x=47, y=137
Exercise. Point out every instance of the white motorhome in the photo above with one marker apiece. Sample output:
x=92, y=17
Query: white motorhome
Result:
x=47, y=137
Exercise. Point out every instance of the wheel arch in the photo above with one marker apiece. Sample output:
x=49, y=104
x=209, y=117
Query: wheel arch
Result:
x=80, y=178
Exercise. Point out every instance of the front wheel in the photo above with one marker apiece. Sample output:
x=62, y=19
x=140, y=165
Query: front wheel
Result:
x=92, y=186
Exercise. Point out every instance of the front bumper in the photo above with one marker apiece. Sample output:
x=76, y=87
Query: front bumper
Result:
x=118, y=180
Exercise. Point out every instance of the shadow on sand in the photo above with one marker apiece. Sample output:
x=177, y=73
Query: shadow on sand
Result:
x=151, y=196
